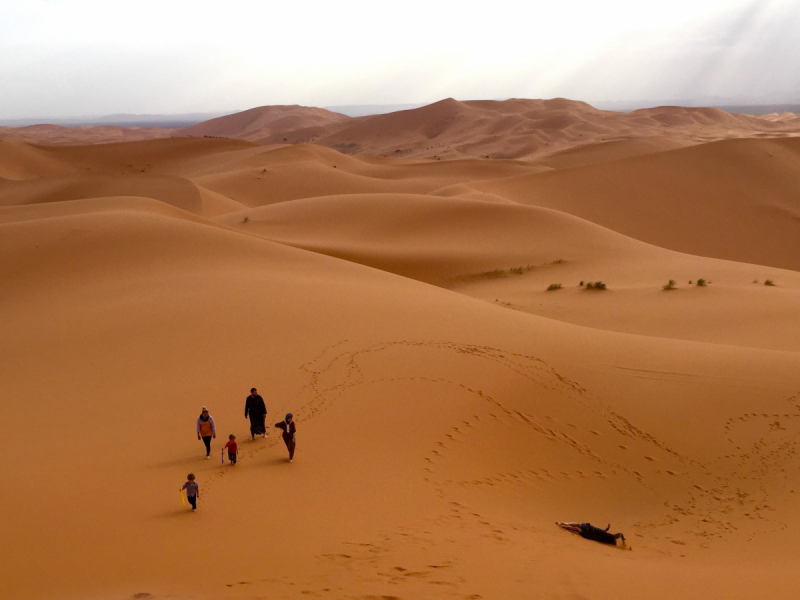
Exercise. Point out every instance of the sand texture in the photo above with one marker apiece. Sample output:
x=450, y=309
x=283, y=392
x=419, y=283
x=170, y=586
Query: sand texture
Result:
x=450, y=409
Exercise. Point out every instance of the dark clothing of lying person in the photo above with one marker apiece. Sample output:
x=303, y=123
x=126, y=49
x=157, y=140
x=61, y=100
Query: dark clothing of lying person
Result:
x=590, y=532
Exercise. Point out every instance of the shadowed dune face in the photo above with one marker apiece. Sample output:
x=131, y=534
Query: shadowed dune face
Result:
x=449, y=408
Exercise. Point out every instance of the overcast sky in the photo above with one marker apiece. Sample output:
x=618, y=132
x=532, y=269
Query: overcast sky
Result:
x=64, y=58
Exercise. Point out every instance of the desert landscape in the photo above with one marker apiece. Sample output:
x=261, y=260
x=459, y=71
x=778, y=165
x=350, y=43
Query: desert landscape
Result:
x=485, y=316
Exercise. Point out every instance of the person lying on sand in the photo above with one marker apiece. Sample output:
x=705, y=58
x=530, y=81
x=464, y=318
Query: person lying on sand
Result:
x=255, y=408
x=289, y=431
x=206, y=430
x=192, y=491
x=590, y=532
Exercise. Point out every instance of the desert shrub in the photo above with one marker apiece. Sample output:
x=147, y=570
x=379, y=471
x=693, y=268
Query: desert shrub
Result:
x=595, y=285
x=670, y=285
x=769, y=282
x=581, y=284
x=701, y=282
x=553, y=286
x=517, y=270
x=494, y=273
x=245, y=220
x=756, y=281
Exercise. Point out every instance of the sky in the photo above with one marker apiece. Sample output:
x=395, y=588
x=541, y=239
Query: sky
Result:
x=73, y=58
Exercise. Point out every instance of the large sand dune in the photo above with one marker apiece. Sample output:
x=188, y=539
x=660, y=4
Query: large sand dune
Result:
x=514, y=128
x=733, y=199
x=265, y=121
x=449, y=408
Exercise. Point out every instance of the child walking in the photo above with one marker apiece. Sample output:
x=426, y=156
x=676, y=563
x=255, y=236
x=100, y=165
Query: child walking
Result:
x=192, y=491
x=289, y=432
x=233, y=448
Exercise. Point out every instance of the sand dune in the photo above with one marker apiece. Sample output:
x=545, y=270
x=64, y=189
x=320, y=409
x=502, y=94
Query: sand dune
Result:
x=265, y=122
x=510, y=254
x=734, y=199
x=85, y=134
x=517, y=128
x=23, y=161
x=442, y=429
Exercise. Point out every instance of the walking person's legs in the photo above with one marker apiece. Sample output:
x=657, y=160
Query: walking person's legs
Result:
x=207, y=442
x=193, y=501
x=290, y=443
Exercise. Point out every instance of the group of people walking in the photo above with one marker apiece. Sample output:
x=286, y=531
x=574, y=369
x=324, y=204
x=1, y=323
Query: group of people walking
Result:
x=256, y=411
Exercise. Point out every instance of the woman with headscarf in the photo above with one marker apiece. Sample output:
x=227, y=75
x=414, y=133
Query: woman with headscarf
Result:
x=206, y=430
x=255, y=408
x=289, y=430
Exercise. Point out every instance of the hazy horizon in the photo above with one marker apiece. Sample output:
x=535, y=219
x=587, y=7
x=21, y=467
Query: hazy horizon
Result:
x=76, y=59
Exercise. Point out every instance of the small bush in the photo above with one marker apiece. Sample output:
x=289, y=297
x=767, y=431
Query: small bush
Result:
x=581, y=284
x=595, y=285
x=494, y=273
x=245, y=220
x=756, y=281
x=690, y=283
x=701, y=282
x=553, y=286
x=670, y=285
x=769, y=282
x=517, y=270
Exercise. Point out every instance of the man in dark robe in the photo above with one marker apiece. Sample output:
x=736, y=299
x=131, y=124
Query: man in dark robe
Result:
x=255, y=408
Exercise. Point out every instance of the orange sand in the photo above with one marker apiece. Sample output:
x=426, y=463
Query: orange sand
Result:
x=449, y=409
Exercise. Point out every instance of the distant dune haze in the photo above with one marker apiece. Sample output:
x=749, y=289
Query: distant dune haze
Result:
x=516, y=128
x=260, y=123
x=425, y=313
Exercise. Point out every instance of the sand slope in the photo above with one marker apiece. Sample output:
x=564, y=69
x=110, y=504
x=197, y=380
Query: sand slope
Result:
x=265, y=122
x=441, y=431
x=520, y=128
x=514, y=128
x=85, y=134
x=734, y=199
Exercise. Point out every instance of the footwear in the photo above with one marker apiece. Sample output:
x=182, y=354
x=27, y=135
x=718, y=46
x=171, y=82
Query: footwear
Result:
x=194, y=510
x=291, y=459
x=208, y=458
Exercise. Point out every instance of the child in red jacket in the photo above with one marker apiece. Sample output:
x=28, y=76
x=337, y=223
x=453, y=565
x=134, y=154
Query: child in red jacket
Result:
x=233, y=448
